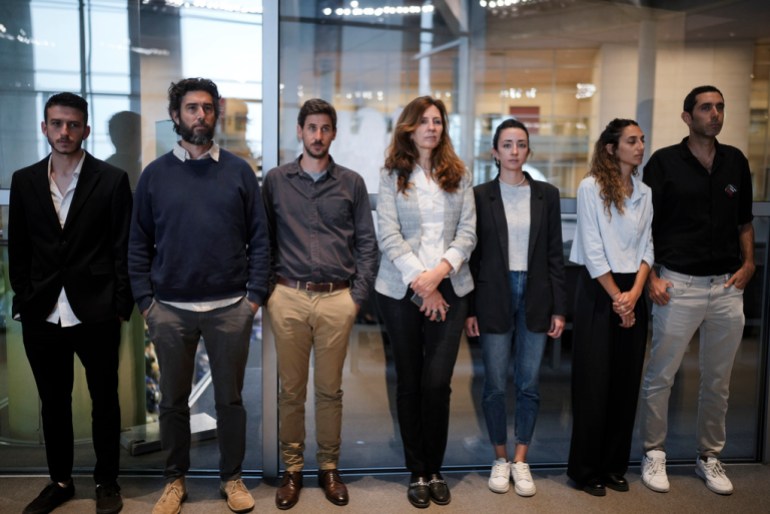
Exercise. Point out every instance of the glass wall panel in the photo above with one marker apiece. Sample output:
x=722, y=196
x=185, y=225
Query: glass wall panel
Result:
x=565, y=69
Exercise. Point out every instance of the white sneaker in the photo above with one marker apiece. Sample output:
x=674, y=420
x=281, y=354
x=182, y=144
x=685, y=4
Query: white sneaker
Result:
x=712, y=472
x=499, y=478
x=654, y=471
x=522, y=479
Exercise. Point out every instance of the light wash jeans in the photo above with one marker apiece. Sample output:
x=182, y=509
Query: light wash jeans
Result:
x=527, y=348
x=696, y=302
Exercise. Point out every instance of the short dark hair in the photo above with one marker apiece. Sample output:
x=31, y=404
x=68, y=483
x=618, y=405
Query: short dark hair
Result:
x=506, y=124
x=317, y=106
x=177, y=91
x=692, y=97
x=67, y=100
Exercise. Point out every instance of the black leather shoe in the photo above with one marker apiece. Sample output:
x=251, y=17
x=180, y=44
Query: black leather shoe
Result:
x=287, y=495
x=418, y=493
x=49, y=498
x=439, y=491
x=108, y=500
x=616, y=482
x=595, y=488
x=331, y=482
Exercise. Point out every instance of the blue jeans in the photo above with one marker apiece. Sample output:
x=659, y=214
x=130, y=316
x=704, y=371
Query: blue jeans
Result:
x=528, y=350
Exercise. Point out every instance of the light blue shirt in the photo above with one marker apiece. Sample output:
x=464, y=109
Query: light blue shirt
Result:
x=619, y=242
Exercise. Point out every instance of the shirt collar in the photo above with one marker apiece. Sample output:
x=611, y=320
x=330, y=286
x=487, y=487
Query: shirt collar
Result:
x=639, y=190
x=297, y=169
x=686, y=149
x=183, y=155
x=75, y=174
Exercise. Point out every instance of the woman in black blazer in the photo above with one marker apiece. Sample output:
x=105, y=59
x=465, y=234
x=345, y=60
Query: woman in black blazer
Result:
x=519, y=300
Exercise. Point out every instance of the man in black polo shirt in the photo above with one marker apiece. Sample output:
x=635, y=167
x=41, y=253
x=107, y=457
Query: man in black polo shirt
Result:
x=324, y=253
x=704, y=244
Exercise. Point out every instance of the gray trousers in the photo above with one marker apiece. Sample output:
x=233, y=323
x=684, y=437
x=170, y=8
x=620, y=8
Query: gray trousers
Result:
x=226, y=333
x=696, y=302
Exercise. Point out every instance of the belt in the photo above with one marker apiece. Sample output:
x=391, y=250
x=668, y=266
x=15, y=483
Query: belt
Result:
x=314, y=287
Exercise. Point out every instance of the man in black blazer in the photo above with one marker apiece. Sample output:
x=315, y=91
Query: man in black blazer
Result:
x=68, y=228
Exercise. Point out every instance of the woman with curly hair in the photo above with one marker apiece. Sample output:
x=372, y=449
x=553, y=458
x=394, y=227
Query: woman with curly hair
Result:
x=613, y=243
x=426, y=231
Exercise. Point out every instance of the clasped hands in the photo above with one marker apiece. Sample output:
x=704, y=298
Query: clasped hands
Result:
x=623, y=304
x=433, y=304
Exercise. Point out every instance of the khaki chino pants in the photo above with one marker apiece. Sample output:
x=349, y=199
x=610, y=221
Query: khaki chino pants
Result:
x=302, y=321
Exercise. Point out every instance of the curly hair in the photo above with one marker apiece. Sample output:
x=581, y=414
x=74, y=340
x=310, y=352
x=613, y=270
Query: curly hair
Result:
x=177, y=91
x=402, y=153
x=605, y=167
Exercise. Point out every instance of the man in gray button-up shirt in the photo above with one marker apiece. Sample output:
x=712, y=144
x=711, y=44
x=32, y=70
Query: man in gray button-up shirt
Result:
x=324, y=258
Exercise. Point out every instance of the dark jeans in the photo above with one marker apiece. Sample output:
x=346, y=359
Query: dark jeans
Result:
x=226, y=333
x=424, y=353
x=607, y=365
x=51, y=350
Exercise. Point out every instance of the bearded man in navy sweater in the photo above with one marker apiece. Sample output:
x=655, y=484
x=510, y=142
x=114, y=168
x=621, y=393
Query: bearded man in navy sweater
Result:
x=198, y=263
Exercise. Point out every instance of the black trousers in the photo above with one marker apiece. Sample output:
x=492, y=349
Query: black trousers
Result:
x=424, y=353
x=51, y=350
x=607, y=363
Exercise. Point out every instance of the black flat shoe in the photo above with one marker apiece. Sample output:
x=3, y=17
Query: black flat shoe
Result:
x=418, y=493
x=439, y=491
x=616, y=482
x=595, y=488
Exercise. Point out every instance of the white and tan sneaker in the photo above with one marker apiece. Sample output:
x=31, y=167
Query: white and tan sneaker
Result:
x=522, y=479
x=712, y=472
x=654, y=471
x=500, y=476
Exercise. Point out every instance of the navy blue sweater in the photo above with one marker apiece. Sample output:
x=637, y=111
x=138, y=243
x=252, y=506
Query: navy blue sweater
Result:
x=198, y=232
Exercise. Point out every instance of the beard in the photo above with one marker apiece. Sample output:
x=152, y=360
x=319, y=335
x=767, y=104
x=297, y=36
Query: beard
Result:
x=316, y=155
x=70, y=147
x=189, y=134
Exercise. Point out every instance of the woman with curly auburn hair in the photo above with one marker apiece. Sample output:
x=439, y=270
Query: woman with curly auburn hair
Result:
x=426, y=231
x=613, y=243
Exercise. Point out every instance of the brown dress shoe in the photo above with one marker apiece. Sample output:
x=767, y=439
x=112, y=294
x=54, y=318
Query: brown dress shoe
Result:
x=287, y=495
x=331, y=482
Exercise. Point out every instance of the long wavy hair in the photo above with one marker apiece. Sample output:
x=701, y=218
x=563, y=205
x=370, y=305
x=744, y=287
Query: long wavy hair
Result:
x=402, y=154
x=605, y=167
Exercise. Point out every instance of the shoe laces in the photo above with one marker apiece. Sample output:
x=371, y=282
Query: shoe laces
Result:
x=234, y=486
x=500, y=469
x=521, y=470
x=714, y=469
x=172, y=489
x=656, y=466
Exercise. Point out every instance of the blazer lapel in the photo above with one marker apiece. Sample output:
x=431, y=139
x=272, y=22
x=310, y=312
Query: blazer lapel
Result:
x=498, y=218
x=42, y=189
x=86, y=182
x=536, y=205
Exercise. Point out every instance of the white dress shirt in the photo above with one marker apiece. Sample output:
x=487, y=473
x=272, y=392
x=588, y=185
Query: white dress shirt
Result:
x=430, y=199
x=62, y=313
x=619, y=242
